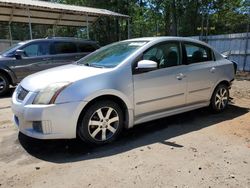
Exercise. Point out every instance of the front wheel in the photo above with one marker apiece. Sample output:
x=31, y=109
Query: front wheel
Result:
x=4, y=84
x=220, y=98
x=101, y=123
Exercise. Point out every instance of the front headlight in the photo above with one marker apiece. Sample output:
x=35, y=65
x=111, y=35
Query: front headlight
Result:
x=49, y=94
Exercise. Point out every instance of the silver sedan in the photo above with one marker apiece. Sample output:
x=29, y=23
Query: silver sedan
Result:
x=121, y=85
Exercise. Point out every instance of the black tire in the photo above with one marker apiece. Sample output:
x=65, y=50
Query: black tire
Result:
x=4, y=85
x=93, y=132
x=219, y=100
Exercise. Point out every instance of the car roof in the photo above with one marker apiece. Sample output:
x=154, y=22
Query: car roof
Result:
x=169, y=38
x=64, y=39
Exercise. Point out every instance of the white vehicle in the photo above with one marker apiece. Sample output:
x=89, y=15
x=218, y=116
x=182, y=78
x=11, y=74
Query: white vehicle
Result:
x=121, y=85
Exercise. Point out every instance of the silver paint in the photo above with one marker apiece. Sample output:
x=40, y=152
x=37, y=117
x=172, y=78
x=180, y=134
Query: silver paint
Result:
x=147, y=96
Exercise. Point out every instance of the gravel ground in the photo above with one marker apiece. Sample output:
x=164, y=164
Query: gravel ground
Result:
x=194, y=149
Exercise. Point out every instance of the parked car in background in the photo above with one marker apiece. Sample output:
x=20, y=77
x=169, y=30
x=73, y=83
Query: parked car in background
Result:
x=31, y=56
x=121, y=85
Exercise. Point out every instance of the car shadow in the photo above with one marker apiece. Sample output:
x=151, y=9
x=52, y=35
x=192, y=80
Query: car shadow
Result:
x=158, y=131
x=8, y=94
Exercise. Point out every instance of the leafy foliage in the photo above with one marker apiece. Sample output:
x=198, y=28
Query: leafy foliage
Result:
x=149, y=18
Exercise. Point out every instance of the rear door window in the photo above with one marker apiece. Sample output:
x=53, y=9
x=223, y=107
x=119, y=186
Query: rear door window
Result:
x=44, y=49
x=197, y=53
x=85, y=47
x=64, y=47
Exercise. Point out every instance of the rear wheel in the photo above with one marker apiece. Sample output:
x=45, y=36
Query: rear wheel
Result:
x=4, y=84
x=220, y=98
x=101, y=123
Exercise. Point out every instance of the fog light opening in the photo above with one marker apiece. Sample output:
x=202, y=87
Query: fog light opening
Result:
x=37, y=126
x=16, y=120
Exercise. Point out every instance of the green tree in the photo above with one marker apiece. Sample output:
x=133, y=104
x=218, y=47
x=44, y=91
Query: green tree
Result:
x=149, y=18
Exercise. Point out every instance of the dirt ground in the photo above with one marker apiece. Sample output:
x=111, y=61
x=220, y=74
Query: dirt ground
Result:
x=194, y=149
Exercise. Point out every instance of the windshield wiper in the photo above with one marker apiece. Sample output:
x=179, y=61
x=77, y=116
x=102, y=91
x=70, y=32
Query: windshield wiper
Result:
x=83, y=64
x=91, y=65
x=95, y=65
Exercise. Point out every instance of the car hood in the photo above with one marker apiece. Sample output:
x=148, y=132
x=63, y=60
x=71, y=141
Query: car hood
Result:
x=4, y=58
x=67, y=73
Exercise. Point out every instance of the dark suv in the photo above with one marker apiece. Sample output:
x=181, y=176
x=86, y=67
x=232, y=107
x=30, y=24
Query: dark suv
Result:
x=32, y=56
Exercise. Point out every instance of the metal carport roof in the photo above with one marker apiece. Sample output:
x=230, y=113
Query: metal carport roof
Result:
x=40, y=12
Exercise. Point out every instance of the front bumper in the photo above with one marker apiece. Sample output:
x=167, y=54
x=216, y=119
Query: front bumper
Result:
x=54, y=121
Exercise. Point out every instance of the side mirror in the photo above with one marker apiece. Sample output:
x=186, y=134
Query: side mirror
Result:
x=19, y=54
x=146, y=65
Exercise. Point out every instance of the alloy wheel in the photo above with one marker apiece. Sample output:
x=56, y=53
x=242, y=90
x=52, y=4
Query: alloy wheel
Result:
x=103, y=124
x=221, y=98
x=2, y=83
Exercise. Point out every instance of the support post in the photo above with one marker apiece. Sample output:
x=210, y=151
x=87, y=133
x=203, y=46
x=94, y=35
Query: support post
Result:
x=246, y=46
x=10, y=21
x=30, y=28
x=117, y=28
x=54, y=30
x=120, y=29
x=128, y=28
x=10, y=34
x=202, y=26
x=87, y=26
x=207, y=26
x=246, y=49
x=56, y=23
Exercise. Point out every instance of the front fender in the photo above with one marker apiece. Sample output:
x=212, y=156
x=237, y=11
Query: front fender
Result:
x=109, y=92
x=9, y=72
x=124, y=98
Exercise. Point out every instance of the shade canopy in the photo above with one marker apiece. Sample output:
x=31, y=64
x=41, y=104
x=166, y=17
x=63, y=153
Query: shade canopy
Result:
x=40, y=12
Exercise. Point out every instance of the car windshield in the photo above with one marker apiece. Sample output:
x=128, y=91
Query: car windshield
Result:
x=112, y=55
x=10, y=51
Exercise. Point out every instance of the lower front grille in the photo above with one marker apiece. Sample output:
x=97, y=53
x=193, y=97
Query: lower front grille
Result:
x=21, y=93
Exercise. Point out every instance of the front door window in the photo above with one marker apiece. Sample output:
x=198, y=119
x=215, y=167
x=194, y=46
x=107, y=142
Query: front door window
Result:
x=165, y=55
x=36, y=49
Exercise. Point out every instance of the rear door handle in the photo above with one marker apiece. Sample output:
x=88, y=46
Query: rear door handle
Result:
x=180, y=76
x=212, y=70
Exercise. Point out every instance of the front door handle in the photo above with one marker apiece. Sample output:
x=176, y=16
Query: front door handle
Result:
x=180, y=76
x=212, y=70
